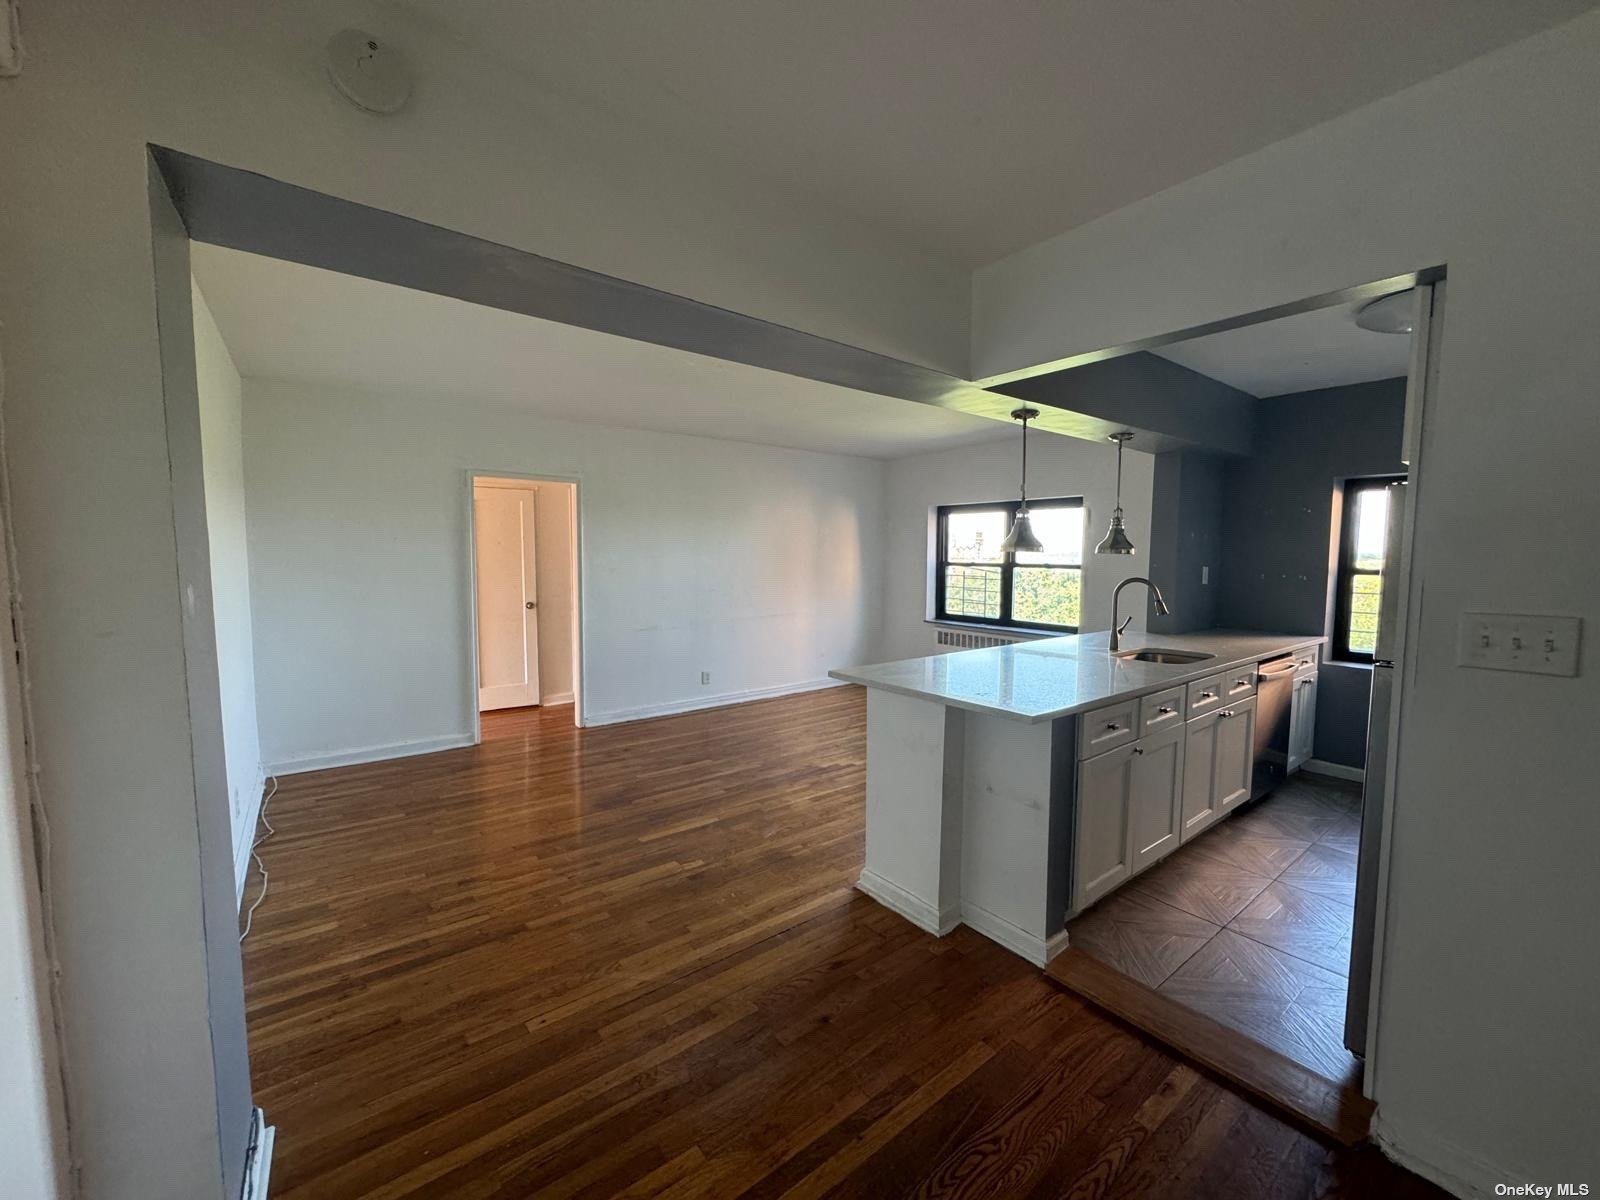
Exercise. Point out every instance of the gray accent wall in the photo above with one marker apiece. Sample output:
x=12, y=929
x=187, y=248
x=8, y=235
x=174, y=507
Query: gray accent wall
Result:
x=1186, y=539
x=1279, y=546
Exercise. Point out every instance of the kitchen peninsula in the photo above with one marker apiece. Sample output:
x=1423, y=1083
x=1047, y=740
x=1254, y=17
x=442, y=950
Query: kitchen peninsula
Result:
x=1010, y=787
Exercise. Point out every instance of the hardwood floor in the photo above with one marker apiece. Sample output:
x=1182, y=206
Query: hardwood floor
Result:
x=1250, y=923
x=629, y=961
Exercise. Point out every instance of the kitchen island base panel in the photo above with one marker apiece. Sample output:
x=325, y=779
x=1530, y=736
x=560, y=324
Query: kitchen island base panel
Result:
x=914, y=782
x=967, y=821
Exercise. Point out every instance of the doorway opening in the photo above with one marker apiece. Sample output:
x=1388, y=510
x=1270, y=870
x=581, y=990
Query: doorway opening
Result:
x=525, y=611
x=1253, y=941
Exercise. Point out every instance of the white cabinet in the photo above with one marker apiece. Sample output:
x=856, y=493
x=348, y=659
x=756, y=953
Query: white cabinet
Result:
x=1128, y=813
x=1218, y=756
x=1199, y=809
x=1155, y=789
x=1302, y=721
x=1101, y=841
x=1236, y=753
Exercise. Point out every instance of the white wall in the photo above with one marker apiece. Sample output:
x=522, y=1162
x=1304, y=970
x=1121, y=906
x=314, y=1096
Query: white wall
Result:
x=1057, y=466
x=759, y=565
x=1489, y=1029
x=32, y=1133
x=222, y=450
x=242, y=83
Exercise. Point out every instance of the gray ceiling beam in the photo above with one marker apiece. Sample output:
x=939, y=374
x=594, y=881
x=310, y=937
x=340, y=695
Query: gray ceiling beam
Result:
x=243, y=210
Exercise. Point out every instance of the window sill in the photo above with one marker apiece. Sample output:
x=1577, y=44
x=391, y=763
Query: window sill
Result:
x=1014, y=631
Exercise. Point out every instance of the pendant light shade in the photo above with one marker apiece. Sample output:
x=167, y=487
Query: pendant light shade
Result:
x=1022, y=536
x=1116, y=539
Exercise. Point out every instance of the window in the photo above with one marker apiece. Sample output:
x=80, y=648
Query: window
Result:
x=1361, y=555
x=975, y=581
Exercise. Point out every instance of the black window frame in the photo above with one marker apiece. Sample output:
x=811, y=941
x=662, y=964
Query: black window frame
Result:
x=1347, y=570
x=1008, y=564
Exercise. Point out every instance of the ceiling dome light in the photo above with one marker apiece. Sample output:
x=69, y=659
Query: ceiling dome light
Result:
x=1394, y=313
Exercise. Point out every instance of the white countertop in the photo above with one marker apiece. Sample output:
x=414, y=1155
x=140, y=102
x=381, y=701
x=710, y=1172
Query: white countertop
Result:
x=1040, y=680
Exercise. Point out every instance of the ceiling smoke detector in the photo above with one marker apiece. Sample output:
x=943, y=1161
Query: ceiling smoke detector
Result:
x=367, y=73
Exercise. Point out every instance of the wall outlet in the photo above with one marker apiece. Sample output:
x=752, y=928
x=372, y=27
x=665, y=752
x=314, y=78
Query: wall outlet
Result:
x=1538, y=645
x=1205, y=576
x=705, y=678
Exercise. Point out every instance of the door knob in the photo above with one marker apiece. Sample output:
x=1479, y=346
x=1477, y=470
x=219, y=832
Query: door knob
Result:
x=530, y=604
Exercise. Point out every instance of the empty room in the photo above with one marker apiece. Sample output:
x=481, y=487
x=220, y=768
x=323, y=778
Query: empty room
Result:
x=785, y=600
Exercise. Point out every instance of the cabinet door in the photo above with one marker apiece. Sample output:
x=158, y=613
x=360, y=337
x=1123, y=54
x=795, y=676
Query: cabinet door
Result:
x=1303, y=721
x=1155, y=792
x=1199, y=807
x=1236, y=753
x=1100, y=859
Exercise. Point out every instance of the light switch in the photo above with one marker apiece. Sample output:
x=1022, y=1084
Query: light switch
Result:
x=1538, y=645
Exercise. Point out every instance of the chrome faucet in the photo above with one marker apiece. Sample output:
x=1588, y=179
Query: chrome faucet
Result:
x=1116, y=602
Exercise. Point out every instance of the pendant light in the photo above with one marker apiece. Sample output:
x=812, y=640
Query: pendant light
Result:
x=1116, y=539
x=1022, y=536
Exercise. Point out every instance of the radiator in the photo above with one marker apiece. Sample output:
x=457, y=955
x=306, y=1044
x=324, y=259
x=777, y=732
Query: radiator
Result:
x=962, y=640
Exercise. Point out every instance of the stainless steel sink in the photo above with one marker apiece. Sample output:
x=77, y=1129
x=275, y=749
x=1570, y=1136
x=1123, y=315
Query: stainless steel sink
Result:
x=1156, y=654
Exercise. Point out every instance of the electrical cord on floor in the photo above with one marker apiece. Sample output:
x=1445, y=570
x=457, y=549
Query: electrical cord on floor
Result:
x=249, y=916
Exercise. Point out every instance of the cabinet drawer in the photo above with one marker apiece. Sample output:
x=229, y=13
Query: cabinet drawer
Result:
x=1164, y=710
x=1204, y=695
x=1240, y=682
x=1107, y=728
x=1305, y=661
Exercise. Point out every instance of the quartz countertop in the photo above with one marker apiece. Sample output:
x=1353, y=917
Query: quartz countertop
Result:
x=1040, y=680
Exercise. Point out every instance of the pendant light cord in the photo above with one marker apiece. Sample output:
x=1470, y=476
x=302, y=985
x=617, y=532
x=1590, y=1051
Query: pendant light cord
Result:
x=1023, y=490
x=1119, y=471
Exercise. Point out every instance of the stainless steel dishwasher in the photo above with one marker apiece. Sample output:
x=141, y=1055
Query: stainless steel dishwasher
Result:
x=1274, y=693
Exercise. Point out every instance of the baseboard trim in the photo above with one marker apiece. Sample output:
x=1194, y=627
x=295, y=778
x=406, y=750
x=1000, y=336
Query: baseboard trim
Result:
x=554, y=699
x=1458, y=1171
x=913, y=908
x=620, y=716
x=1037, y=950
x=1334, y=770
x=369, y=754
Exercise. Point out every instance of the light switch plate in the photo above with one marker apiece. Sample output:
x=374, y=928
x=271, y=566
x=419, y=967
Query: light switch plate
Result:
x=1537, y=645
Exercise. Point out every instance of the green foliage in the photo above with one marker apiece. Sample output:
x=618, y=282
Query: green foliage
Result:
x=1047, y=595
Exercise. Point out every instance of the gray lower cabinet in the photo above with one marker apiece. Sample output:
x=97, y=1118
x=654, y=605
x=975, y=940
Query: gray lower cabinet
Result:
x=1303, y=721
x=1127, y=805
x=1101, y=860
x=1218, y=756
x=1155, y=789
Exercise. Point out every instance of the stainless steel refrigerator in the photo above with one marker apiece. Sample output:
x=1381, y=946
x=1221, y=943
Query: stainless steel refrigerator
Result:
x=1374, y=792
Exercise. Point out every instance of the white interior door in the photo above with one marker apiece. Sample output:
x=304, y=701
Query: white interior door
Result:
x=508, y=597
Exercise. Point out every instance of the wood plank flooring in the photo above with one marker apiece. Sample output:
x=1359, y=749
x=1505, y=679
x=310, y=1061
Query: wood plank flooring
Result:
x=629, y=961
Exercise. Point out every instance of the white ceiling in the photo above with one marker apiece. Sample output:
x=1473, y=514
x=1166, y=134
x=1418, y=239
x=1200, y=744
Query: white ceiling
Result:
x=974, y=128
x=286, y=321
x=1318, y=349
